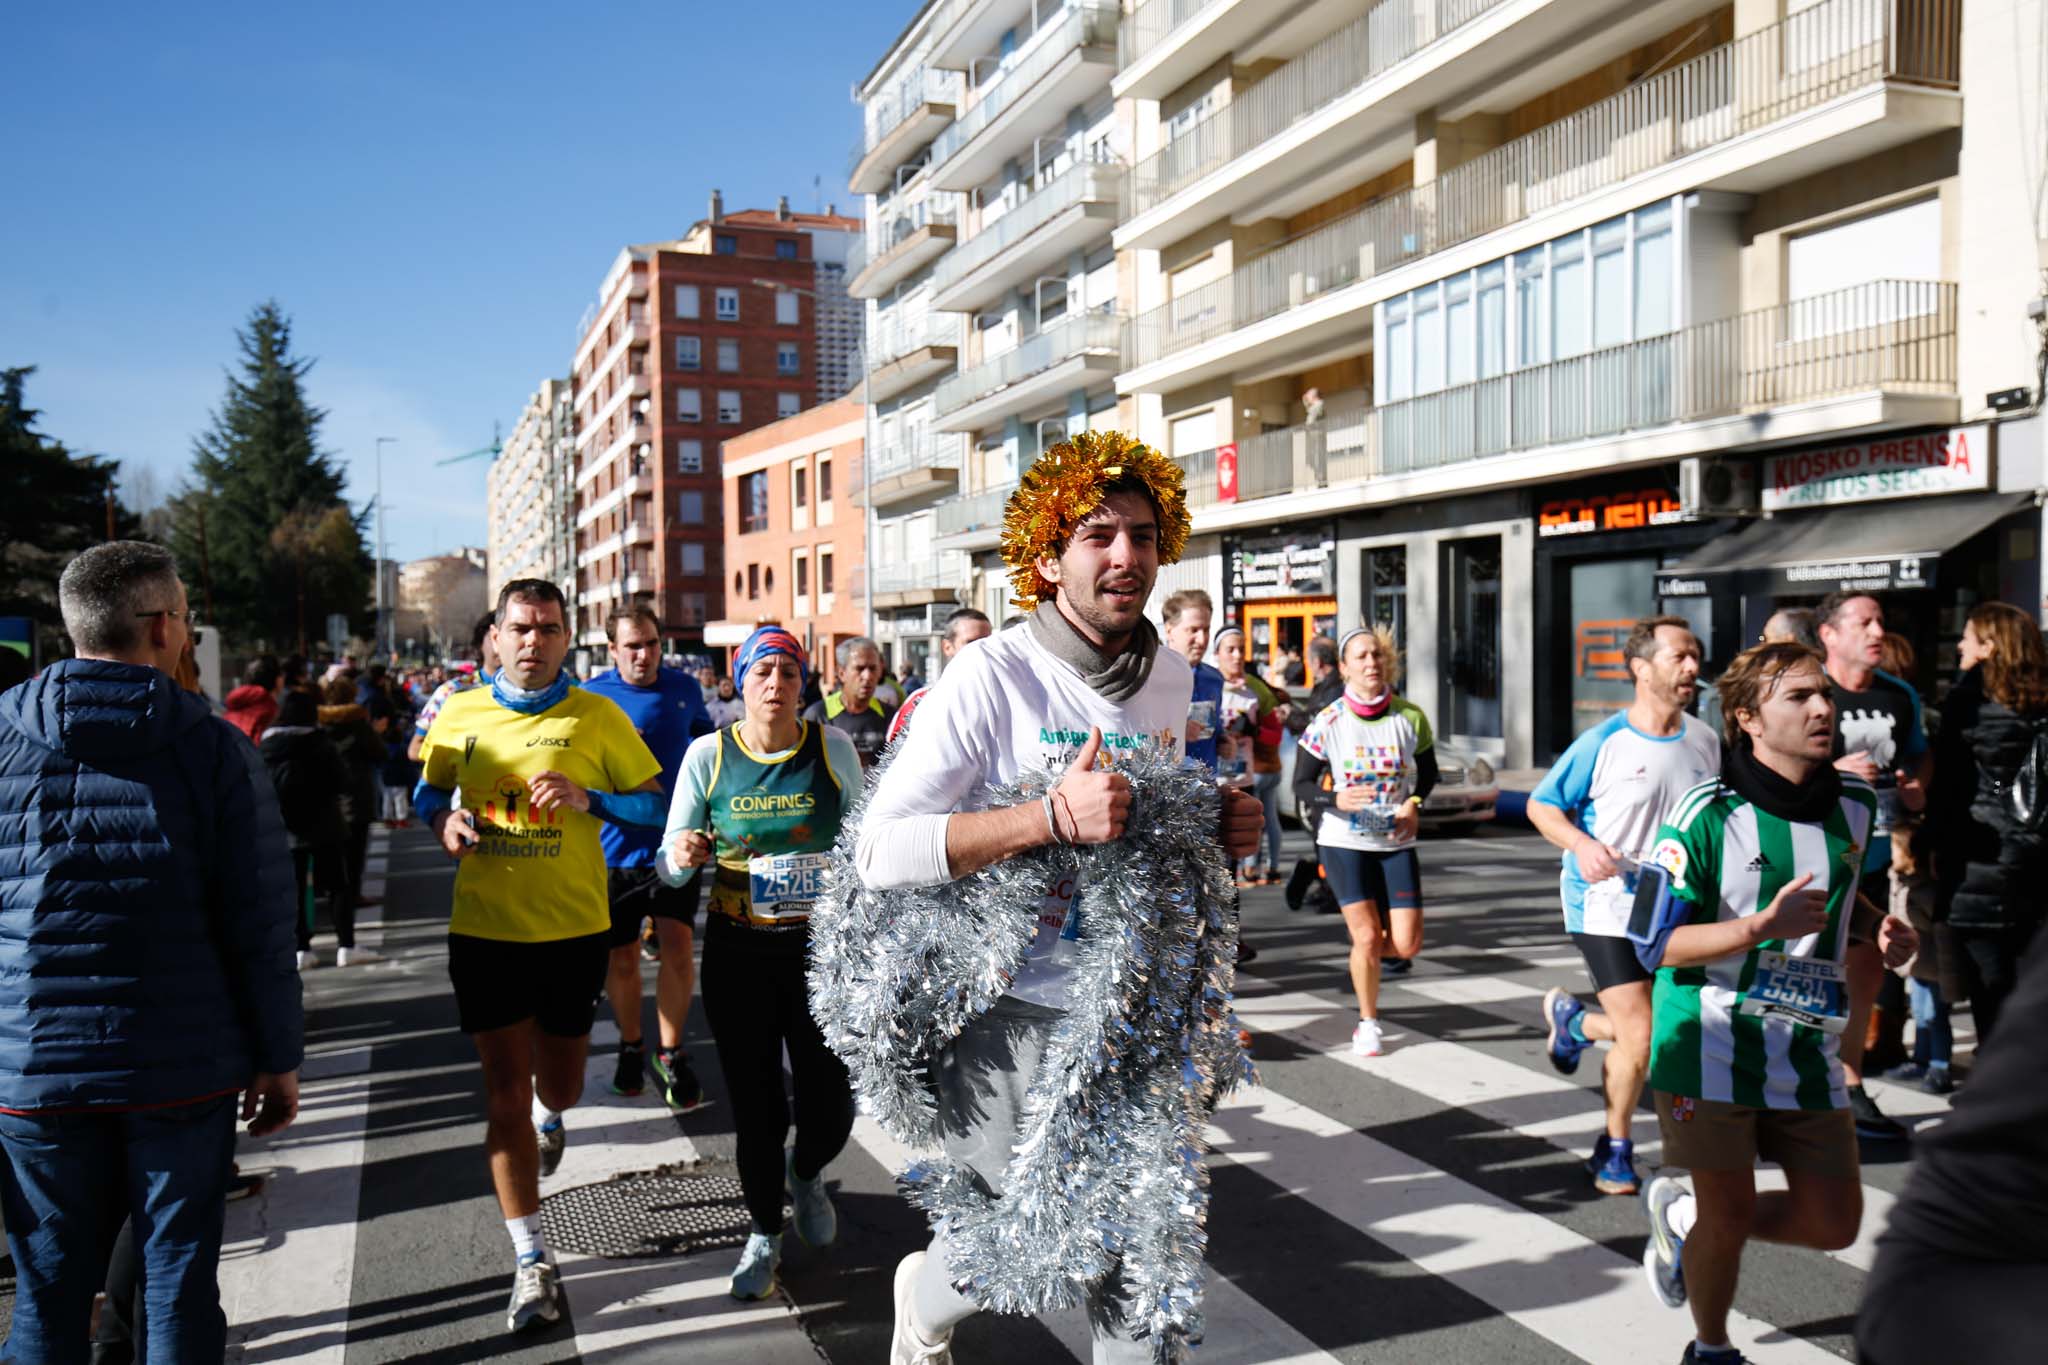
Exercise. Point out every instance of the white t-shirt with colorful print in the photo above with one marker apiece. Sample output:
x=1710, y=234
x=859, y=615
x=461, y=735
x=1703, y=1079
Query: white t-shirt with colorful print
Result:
x=1378, y=753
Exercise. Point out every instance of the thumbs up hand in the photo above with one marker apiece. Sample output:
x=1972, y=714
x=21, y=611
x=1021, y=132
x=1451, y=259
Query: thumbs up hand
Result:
x=1091, y=807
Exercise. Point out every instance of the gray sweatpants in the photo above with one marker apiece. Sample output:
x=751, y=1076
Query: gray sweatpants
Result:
x=981, y=1082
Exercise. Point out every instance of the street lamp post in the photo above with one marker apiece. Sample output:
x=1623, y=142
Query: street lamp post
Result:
x=383, y=632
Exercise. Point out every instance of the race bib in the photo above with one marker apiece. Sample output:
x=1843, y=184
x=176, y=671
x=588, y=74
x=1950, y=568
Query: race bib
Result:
x=1803, y=990
x=1375, y=821
x=784, y=885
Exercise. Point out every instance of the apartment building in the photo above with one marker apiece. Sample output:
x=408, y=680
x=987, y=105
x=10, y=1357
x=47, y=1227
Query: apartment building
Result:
x=1506, y=322
x=794, y=548
x=691, y=342
x=530, y=494
x=993, y=168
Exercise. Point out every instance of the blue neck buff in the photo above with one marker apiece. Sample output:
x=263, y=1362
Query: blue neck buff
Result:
x=515, y=698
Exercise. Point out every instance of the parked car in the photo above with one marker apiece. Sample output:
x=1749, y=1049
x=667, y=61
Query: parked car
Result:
x=1465, y=794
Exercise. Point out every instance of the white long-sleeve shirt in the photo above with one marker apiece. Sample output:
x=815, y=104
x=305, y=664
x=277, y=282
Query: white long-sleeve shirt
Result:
x=1004, y=706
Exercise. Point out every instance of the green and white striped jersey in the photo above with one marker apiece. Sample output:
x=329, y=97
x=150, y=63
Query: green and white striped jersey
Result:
x=1727, y=858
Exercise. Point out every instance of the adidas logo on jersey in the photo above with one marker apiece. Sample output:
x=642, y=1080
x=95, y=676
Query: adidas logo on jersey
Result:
x=1759, y=864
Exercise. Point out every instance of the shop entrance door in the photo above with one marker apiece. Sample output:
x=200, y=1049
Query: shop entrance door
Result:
x=1285, y=625
x=1470, y=699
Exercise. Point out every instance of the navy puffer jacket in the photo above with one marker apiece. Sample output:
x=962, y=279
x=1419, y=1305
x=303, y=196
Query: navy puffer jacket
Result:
x=146, y=897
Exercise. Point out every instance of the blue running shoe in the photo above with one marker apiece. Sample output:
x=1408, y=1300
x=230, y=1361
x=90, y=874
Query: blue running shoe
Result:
x=1614, y=1166
x=1560, y=1009
x=817, y=1222
x=1663, y=1258
x=754, y=1277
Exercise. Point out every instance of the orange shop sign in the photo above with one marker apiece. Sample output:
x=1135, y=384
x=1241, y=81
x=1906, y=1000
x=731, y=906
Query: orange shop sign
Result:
x=1957, y=460
x=1631, y=511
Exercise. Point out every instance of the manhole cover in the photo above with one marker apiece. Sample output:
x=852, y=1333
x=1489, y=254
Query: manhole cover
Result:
x=674, y=1211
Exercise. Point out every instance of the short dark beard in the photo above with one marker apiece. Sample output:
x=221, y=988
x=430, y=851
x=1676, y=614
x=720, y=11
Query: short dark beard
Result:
x=1093, y=631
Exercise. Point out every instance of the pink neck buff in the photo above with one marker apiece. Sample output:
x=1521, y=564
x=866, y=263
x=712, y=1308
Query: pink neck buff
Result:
x=1368, y=708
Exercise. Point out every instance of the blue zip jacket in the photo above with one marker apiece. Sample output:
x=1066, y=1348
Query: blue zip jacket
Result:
x=146, y=897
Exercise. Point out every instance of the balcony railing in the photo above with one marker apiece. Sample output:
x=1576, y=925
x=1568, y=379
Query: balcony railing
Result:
x=1333, y=451
x=899, y=337
x=1090, y=24
x=1147, y=26
x=945, y=572
x=1090, y=333
x=1815, y=56
x=976, y=512
x=1389, y=33
x=1084, y=182
x=921, y=450
x=887, y=111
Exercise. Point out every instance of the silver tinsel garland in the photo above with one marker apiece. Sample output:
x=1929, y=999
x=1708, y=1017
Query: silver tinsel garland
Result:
x=1107, y=1195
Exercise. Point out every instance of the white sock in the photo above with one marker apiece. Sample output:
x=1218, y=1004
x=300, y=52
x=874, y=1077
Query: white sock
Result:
x=526, y=1238
x=542, y=1115
x=1683, y=1213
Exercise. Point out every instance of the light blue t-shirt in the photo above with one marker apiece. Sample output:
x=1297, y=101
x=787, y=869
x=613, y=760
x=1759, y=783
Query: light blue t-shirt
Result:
x=1618, y=784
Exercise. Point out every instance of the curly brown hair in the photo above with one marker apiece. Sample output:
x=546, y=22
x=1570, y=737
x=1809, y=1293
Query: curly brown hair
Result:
x=2016, y=674
x=1752, y=676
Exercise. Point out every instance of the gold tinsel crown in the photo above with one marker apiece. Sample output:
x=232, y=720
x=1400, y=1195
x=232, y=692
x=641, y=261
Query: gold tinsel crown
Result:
x=1065, y=485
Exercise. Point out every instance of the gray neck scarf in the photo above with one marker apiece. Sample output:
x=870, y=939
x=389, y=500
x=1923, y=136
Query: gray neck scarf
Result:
x=1117, y=678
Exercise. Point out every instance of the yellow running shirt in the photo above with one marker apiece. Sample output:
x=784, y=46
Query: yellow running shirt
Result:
x=532, y=877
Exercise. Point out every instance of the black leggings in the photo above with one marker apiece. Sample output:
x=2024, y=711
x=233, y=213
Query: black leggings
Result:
x=1991, y=968
x=755, y=1002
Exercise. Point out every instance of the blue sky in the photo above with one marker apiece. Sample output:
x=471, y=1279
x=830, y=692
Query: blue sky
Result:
x=433, y=192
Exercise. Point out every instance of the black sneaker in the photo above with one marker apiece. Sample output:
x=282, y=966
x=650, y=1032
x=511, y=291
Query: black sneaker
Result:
x=1396, y=966
x=1304, y=877
x=1872, y=1122
x=1246, y=953
x=680, y=1089
x=1695, y=1356
x=629, y=1077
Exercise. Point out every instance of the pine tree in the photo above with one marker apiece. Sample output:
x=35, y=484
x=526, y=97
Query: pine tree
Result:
x=53, y=504
x=260, y=481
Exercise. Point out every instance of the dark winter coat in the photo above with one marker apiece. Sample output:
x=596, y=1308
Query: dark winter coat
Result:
x=1990, y=871
x=311, y=780
x=146, y=897
x=362, y=753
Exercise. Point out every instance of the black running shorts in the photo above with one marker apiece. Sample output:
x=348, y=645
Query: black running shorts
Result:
x=555, y=984
x=638, y=892
x=1389, y=880
x=1610, y=960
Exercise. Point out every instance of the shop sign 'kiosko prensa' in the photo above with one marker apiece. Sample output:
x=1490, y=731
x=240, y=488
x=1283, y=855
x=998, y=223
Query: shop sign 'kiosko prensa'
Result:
x=1957, y=460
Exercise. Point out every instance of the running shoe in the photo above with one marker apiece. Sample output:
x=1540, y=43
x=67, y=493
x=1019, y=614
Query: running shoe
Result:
x=1365, y=1039
x=680, y=1089
x=906, y=1345
x=1305, y=875
x=1396, y=966
x=1695, y=1356
x=629, y=1076
x=1663, y=1258
x=308, y=959
x=1613, y=1166
x=1939, y=1080
x=536, y=1294
x=356, y=957
x=553, y=1137
x=650, y=944
x=1560, y=1008
x=1245, y=952
x=1907, y=1073
x=1872, y=1122
x=817, y=1222
x=754, y=1276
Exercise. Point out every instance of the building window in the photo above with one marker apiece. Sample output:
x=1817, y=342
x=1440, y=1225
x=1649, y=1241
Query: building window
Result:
x=825, y=588
x=754, y=502
x=786, y=307
x=729, y=355
x=686, y=302
x=1471, y=628
x=728, y=305
x=693, y=609
x=693, y=556
x=753, y=581
x=689, y=405
x=724, y=244
x=800, y=573
x=729, y=406
x=825, y=481
x=788, y=360
x=799, y=485
x=690, y=507
x=689, y=456
x=689, y=353
x=785, y=249
x=1386, y=588
x=788, y=404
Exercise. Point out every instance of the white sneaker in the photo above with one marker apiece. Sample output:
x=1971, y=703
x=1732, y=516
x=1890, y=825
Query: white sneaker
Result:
x=906, y=1345
x=308, y=959
x=353, y=957
x=536, y=1296
x=1365, y=1039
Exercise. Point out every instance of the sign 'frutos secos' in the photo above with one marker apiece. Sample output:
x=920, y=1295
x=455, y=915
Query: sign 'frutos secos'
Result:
x=1954, y=461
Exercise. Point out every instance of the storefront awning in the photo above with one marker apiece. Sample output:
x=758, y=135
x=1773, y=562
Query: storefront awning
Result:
x=1877, y=547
